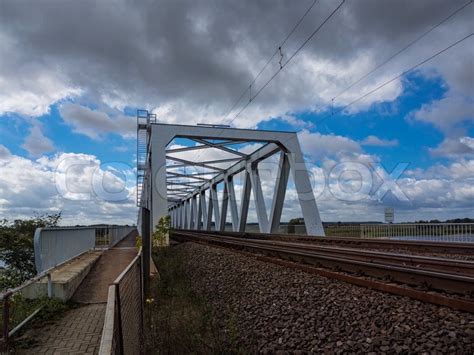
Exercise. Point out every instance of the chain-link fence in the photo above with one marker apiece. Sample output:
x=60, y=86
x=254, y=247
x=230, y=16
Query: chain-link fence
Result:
x=123, y=325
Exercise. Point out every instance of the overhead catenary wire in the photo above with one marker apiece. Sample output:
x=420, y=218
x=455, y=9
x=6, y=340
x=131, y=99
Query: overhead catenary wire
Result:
x=398, y=76
x=277, y=51
x=424, y=34
x=282, y=66
x=379, y=87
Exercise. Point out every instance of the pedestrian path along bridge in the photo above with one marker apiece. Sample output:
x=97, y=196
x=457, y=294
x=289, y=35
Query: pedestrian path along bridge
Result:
x=80, y=330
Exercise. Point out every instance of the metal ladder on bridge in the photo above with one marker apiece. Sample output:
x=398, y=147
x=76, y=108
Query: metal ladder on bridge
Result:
x=144, y=120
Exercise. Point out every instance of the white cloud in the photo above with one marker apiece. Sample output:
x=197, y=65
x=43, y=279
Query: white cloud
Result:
x=323, y=147
x=68, y=182
x=79, y=185
x=96, y=124
x=4, y=152
x=440, y=192
x=379, y=142
x=454, y=148
x=448, y=114
x=36, y=143
x=190, y=61
x=28, y=86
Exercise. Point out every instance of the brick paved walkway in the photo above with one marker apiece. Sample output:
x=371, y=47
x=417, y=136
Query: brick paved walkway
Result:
x=79, y=331
x=95, y=287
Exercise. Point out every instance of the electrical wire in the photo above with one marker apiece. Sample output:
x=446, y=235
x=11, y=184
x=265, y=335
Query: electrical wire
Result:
x=398, y=76
x=277, y=51
x=282, y=66
x=424, y=34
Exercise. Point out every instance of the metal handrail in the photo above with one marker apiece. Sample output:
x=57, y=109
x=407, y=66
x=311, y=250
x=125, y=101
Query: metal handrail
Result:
x=452, y=232
x=86, y=227
x=417, y=224
x=129, y=266
x=5, y=298
x=113, y=306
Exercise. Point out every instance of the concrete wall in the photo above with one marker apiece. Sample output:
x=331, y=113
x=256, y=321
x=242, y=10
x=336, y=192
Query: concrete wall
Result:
x=54, y=246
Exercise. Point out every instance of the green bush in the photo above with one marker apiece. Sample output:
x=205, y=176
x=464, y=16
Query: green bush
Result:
x=161, y=234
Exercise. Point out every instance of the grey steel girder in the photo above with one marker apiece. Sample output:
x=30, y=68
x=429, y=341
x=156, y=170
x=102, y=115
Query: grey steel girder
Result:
x=181, y=192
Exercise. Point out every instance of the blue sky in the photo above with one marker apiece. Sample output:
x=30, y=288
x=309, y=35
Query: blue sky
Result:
x=68, y=98
x=386, y=120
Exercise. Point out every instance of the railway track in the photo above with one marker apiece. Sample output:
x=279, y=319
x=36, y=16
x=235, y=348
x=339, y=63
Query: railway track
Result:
x=353, y=265
x=383, y=244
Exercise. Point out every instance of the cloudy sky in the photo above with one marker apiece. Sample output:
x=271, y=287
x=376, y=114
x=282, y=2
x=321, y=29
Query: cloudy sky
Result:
x=73, y=74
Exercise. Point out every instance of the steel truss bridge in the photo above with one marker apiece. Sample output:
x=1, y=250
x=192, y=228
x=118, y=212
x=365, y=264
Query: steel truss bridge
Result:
x=182, y=170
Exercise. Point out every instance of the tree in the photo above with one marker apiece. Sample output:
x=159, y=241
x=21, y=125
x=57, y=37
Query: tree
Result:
x=161, y=234
x=293, y=222
x=17, y=248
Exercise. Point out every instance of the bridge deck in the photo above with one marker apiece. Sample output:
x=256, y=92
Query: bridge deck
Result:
x=79, y=331
x=94, y=288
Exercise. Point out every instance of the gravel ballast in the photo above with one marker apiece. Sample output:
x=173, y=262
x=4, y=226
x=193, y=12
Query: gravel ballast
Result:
x=263, y=307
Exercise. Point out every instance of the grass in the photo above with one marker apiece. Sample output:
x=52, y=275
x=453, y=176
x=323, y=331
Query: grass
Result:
x=179, y=321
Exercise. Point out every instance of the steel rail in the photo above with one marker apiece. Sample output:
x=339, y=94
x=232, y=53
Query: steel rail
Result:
x=419, y=246
x=460, y=267
x=336, y=259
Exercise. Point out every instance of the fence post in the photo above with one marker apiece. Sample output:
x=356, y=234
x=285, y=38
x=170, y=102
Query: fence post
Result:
x=146, y=247
x=119, y=316
x=50, y=286
x=6, y=319
x=142, y=295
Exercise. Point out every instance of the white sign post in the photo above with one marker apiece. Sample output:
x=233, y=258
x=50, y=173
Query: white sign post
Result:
x=389, y=215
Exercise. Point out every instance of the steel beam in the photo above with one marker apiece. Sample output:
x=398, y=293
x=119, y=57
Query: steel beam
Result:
x=193, y=224
x=190, y=163
x=244, y=202
x=155, y=194
x=222, y=146
x=233, y=203
x=206, y=145
x=225, y=201
x=259, y=155
x=208, y=220
x=215, y=206
x=199, y=213
x=312, y=220
x=279, y=193
x=258, y=198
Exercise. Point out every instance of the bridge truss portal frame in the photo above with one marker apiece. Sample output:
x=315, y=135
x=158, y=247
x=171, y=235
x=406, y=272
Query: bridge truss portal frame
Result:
x=188, y=205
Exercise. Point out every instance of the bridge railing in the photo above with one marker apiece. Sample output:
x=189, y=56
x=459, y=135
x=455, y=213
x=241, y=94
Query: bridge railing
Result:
x=123, y=324
x=443, y=232
x=343, y=230
x=54, y=246
x=14, y=318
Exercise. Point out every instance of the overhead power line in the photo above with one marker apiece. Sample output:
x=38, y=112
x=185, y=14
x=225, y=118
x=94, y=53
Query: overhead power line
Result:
x=277, y=51
x=424, y=34
x=282, y=66
x=399, y=76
